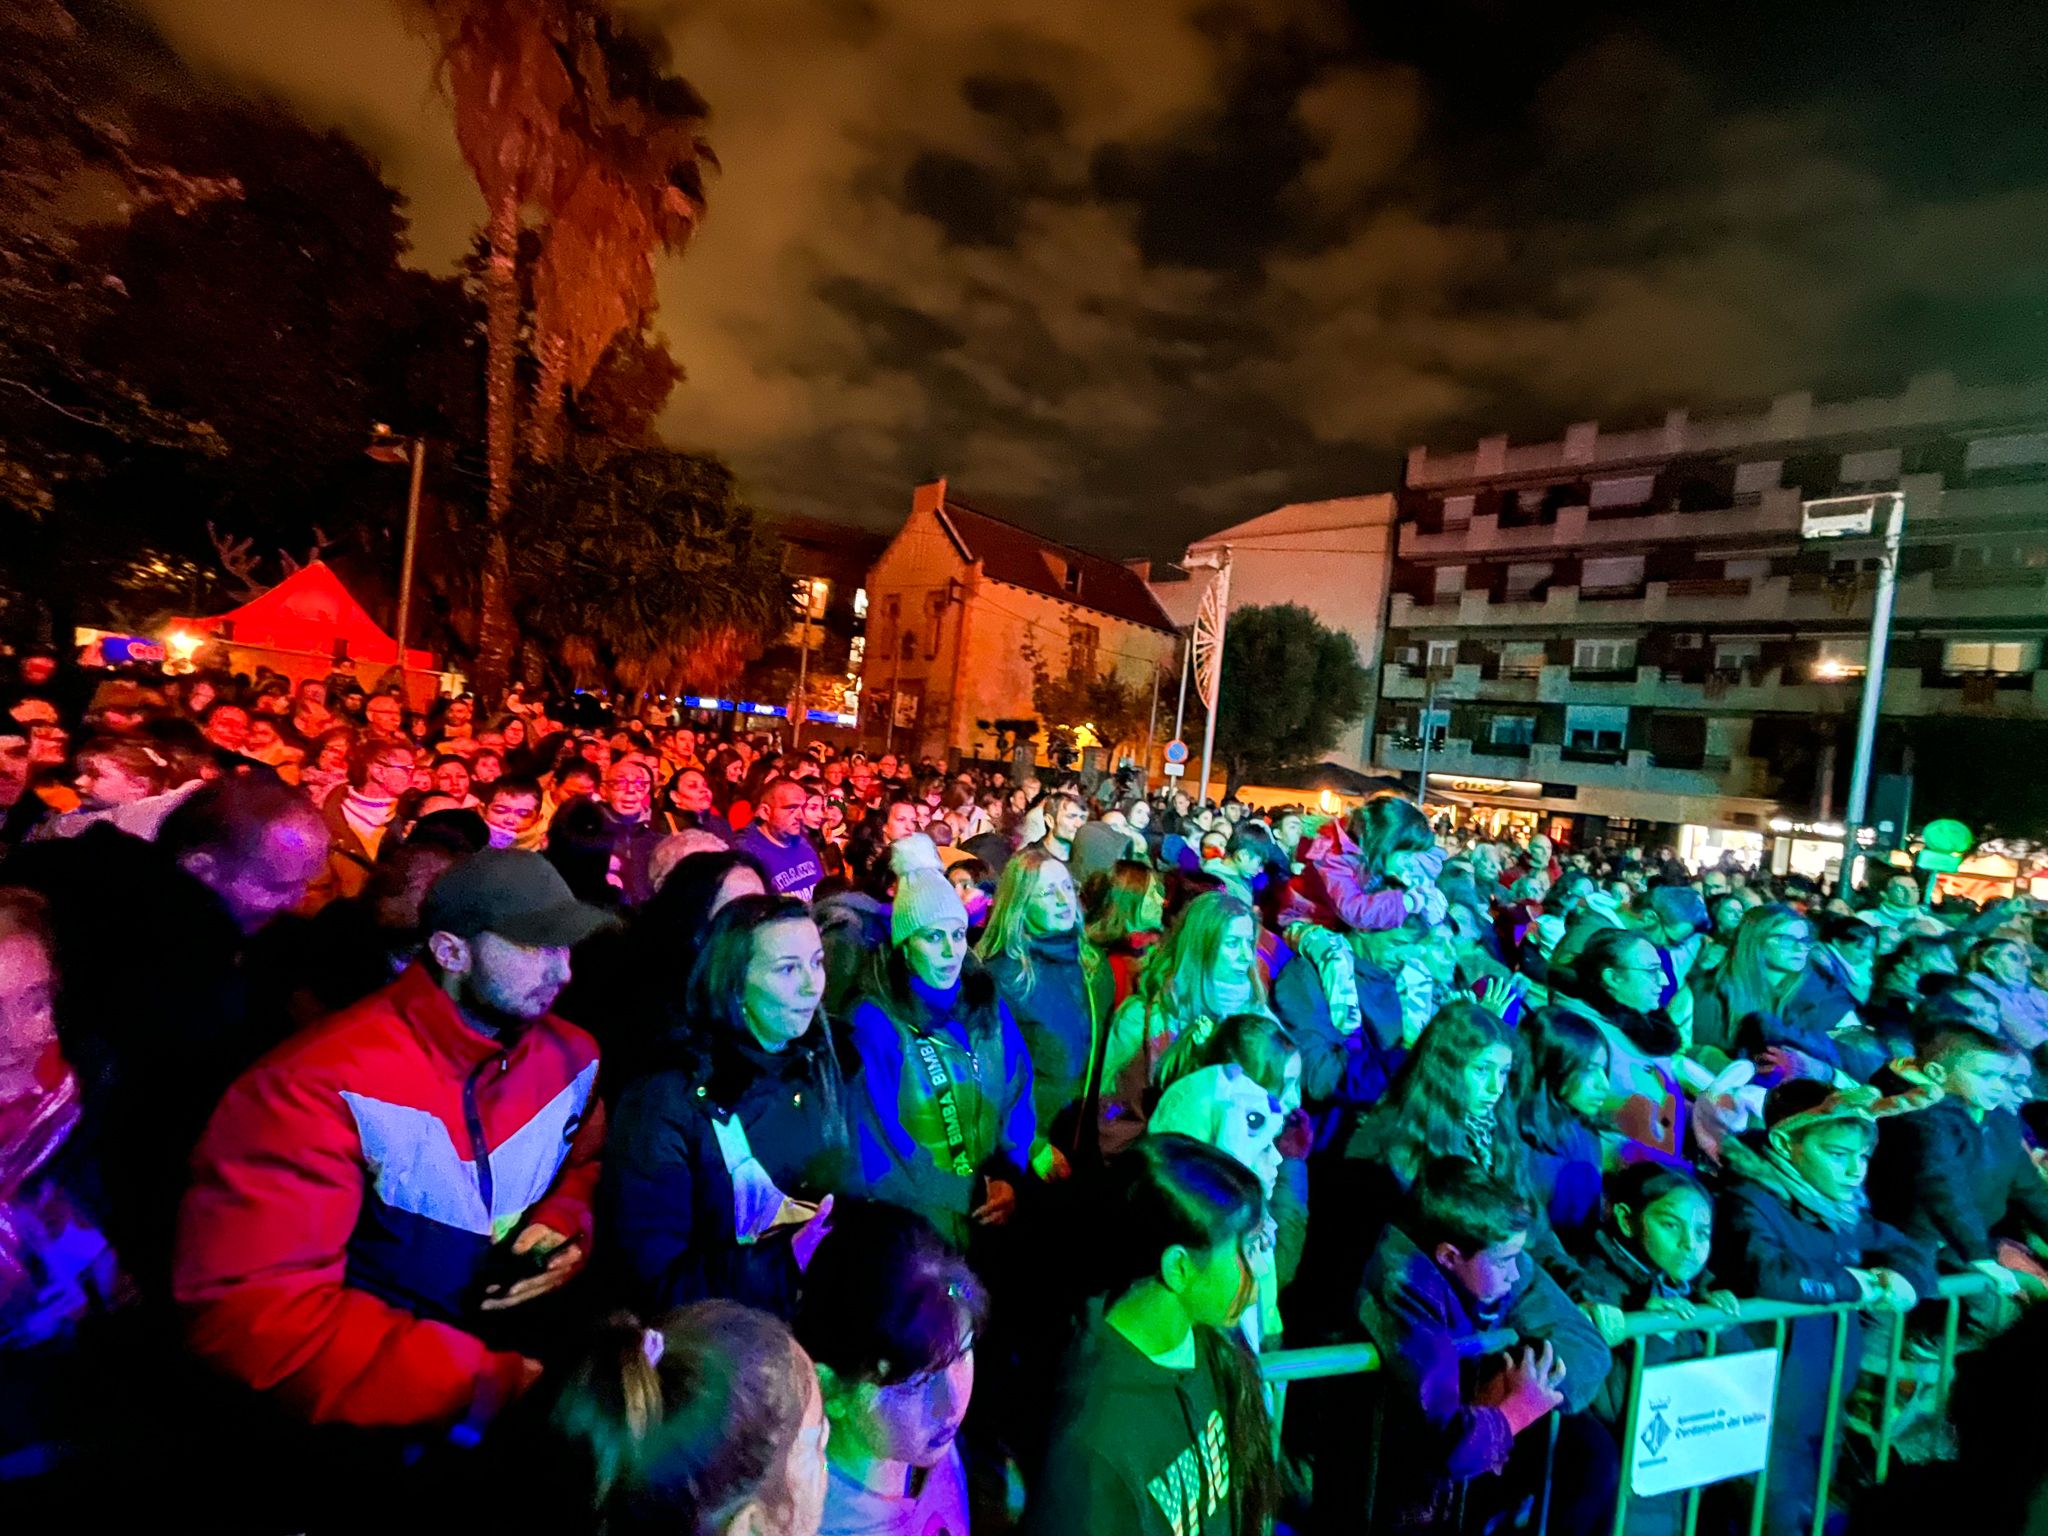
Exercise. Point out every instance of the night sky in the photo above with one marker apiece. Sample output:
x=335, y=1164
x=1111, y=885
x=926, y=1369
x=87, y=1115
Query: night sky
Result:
x=1129, y=270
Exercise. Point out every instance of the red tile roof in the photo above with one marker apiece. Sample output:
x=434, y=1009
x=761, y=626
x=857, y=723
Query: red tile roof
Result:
x=1011, y=554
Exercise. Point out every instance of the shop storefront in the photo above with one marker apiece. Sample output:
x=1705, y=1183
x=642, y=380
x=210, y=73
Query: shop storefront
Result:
x=1707, y=847
x=1496, y=809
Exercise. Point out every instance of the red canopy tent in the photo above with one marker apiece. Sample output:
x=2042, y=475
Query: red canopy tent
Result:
x=308, y=626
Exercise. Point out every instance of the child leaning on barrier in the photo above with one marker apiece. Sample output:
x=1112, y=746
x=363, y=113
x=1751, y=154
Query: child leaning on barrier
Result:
x=1650, y=1255
x=1959, y=1177
x=1795, y=1226
x=1466, y=1424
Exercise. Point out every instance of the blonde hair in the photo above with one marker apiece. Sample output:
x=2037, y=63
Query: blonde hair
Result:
x=1006, y=933
x=1173, y=981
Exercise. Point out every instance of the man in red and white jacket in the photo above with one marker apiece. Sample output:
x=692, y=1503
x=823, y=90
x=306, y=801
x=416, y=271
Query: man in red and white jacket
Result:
x=368, y=1188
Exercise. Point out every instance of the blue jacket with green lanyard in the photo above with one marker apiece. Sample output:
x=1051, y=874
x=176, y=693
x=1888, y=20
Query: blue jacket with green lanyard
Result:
x=943, y=1099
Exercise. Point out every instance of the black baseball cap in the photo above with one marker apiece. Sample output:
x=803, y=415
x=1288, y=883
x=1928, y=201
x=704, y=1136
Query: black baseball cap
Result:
x=520, y=897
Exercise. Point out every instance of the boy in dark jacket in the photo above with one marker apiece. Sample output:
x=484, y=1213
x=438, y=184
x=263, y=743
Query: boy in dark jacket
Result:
x=1452, y=1415
x=1956, y=1175
x=1794, y=1226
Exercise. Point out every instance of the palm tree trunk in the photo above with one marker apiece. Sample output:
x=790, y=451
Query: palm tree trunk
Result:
x=544, y=422
x=495, y=630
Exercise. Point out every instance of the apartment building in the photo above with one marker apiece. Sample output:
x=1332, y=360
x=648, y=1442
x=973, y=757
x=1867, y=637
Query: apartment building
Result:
x=1624, y=633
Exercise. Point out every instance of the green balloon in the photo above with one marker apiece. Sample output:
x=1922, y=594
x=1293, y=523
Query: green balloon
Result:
x=1947, y=837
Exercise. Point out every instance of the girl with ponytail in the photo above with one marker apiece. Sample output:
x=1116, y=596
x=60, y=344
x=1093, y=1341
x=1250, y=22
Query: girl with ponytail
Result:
x=710, y=1425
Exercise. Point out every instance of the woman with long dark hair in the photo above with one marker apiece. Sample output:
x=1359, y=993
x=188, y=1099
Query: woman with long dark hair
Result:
x=1561, y=1101
x=1616, y=984
x=1161, y=1428
x=719, y=1164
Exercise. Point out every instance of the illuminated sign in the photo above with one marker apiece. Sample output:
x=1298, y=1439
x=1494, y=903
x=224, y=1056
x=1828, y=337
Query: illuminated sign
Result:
x=693, y=701
x=830, y=717
x=1465, y=784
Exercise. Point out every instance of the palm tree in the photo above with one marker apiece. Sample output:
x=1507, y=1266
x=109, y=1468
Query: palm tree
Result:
x=504, y=62
x=638, y=186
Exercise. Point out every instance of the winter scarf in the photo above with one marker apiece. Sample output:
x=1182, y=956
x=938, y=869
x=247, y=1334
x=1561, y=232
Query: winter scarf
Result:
x=1330, y=956
x=367, y=816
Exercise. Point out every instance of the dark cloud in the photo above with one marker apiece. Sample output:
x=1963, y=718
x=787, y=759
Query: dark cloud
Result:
x=1132, y=272
x=1021, y=104
x=971, y=202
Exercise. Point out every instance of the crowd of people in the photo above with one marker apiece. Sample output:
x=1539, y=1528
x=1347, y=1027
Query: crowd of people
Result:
x=600, y=1124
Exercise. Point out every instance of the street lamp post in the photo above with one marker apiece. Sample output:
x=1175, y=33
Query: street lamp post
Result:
x=1851, y=517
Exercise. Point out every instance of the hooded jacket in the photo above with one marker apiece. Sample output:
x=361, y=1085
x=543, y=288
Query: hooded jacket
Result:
x=1138, y=1449
x=667, y=1195
x=1436, y=1435
x=350, y=1188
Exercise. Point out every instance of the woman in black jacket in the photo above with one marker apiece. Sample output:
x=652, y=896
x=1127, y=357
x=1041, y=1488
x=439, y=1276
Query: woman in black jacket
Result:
x=721, y=1162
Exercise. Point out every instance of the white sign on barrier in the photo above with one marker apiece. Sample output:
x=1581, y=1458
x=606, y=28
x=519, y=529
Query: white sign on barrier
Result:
x=1701, y=1421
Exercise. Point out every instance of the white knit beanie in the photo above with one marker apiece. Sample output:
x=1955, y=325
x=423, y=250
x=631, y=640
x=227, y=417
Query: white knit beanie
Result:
x=925, y=898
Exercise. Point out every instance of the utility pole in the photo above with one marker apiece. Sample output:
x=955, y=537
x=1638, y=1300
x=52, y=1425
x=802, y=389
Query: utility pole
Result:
x=1873, y=687
x=803, y=663
x=1151, y=729
x=384, y=447
x=1180, y=710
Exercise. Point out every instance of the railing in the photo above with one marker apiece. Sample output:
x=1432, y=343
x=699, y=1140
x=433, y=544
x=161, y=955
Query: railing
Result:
x=1281, y=1367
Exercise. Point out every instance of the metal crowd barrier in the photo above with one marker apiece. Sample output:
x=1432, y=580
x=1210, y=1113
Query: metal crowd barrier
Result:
x=1283, y=1366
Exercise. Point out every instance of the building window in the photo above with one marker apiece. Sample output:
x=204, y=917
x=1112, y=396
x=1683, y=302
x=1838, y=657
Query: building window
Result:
x=1604, y=656
x=1998, y=658
x=1633, y=491
x=1615, y=575
x=1863, y=468
x=1754, y=479
x=1595, y=727
x=1450, y=581
x=860, y=602
x=908, y=649
x=1511, y=730
x=1441, y=656
x=1458, y=511
x=1433, y=725
x=1522, y=658
x=1732, y=656
x=2022, y=451
x=1084, y=641
x=856, y=653
x=1525, y=580
x=1841, y=659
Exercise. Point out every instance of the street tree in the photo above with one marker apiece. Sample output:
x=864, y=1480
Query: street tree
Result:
x=646, y=570
x=1290, y=685
x=1070, y=701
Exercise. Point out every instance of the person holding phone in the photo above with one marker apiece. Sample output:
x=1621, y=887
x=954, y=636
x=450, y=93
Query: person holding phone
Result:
x=726, y=1155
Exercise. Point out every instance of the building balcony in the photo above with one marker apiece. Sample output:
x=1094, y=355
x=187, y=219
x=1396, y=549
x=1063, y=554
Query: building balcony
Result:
x=1551, y=763
x=1804, y=598
x=1774, y=512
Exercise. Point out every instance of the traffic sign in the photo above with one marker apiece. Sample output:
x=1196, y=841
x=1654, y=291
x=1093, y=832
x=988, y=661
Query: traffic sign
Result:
x=1176, y=751
x=1175, y=770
